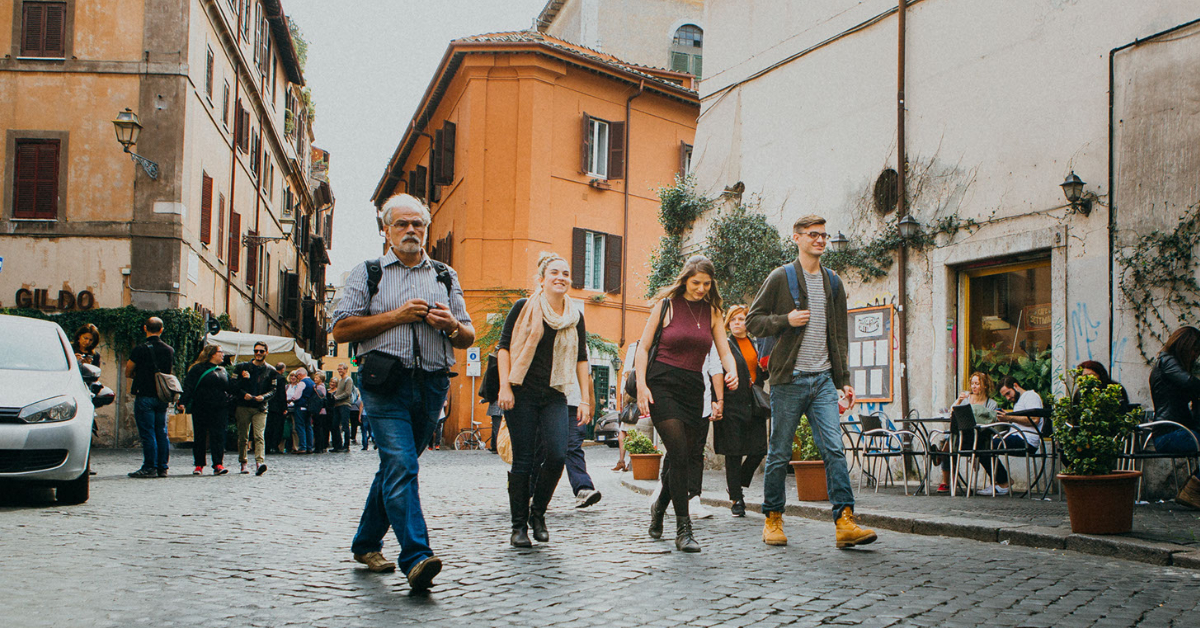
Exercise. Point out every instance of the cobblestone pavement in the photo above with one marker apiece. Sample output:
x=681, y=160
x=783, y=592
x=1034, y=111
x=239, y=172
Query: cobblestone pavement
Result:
x=273, y=551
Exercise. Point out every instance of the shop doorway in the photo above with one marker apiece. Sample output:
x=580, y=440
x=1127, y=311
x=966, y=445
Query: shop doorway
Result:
x=1007, y=324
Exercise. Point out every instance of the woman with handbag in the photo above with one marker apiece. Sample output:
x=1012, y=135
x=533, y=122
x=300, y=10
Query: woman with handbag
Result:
x=682, y=327
x=207, y=396
x=741, y=436
x=541, y=357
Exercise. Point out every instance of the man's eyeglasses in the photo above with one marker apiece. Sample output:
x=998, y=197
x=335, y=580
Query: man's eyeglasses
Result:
x=817, y=235
x=404, y=224
x=258, y=351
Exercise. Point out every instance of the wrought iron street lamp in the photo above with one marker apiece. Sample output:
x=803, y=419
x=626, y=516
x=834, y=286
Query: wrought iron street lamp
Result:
x=128, y=128
x=1073, y=189
x=908, y=227
x=838, y=242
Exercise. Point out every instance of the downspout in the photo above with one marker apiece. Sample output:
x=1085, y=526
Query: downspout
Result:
x=902, y=211
x=625, y=218
x=258, y=251
x=233, y=161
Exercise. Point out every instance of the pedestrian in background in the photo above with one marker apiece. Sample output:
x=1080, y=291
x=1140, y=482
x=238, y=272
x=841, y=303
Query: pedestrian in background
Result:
x=149, y=411
x=407, y=313
x=741, y=435
x=303, y=409
x=86, y=343
x=541, y=358
x=494, y=411
x=671, y=389
x=255, y=384
x=207, y=393
x=291, y=439
x=277, y=410
x=319, y=409
x=355, y=412
x=342, y=393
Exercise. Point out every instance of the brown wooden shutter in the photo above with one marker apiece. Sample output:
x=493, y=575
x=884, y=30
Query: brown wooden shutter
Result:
x=54, y=39
x=578, y=256
x=251, y=262
x=616, y=150
x=435, y=157
x=684, y=150
x=417, y=180
x=206, y=210
x=586, y=146
x=612, y=264
x=235, y=237
x=36, y=180
x=449, y=130
x=221, y=227
x=33, y=16
x=290, y=295
x=208, y=74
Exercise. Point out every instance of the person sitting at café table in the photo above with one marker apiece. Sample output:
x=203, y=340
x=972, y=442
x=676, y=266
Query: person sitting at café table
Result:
x=979, y=397
x=1175, y=392
x=1097, y=370
x=1026, y=418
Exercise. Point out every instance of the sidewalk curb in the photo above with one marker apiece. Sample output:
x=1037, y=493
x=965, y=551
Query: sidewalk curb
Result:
x=992, y=531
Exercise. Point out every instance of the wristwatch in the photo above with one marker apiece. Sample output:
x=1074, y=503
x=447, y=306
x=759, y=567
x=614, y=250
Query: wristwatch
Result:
x=454, y=334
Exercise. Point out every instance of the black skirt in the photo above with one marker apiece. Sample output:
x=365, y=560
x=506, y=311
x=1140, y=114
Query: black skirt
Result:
x=677, y=393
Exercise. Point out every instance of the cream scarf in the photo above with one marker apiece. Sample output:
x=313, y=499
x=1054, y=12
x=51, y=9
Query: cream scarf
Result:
x=528, y=332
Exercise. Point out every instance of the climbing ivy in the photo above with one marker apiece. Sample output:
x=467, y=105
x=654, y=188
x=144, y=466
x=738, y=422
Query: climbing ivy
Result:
x=121, y=328
x=680, y=205
x=494, y=310
x=665, y=262
x=1158, y=270
x=872, y=259
x=745, y=248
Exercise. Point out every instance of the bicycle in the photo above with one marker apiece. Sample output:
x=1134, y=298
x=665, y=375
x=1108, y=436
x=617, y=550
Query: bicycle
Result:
x=469, y=438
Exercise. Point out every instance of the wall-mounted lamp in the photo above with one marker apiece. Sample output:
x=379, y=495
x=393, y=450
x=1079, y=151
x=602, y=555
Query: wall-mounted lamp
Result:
x=838, y=242
x=128, y=128
x=1073, y=189
x=908, y=227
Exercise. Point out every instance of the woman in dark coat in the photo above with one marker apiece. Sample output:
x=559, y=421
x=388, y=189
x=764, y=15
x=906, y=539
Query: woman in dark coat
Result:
x=1176, y=395
x=741, y=436
x=206, y=396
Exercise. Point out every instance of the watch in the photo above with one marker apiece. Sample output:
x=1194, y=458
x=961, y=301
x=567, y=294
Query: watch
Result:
x=454, y=334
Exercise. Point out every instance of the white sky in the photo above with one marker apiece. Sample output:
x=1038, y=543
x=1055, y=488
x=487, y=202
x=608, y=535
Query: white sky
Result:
x=369, y=62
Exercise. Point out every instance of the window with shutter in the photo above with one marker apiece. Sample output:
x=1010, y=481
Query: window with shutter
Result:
x=252, y=263
x=685, y=158
x=209, y=68
x=585, y=155
x=616, y=151
x=612, y=264
x=598, y=141
x=225, y=106
x=435, y=157
x=416, y=182
x=449, y=141
x=35, y=180
x=235, y=237
x=221, y=227
x=593, y=261
x=290, y=289
x=43, y=29
x=206, y=210
x=687, y=49
x=578, y=256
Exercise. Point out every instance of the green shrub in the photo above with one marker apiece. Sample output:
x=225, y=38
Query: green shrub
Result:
x=1090, y=431
x=803, y=442
x=637, y=443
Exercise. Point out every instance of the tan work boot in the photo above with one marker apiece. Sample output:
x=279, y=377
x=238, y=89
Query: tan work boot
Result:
x=773, y=529
x=848, y=532
x=1190, y=495
x=375, y=562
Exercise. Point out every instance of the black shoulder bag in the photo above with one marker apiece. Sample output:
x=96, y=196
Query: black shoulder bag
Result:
x=631, y=381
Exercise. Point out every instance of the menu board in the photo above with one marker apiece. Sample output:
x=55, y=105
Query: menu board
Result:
x=870, y=360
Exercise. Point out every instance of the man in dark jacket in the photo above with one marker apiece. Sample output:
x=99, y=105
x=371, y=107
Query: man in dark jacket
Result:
x=150, y=412
x=256, y=385
x=276, y=408
x=804, y=306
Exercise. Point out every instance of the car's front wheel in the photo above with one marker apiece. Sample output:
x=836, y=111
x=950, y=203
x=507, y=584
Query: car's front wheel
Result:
x=74, y=491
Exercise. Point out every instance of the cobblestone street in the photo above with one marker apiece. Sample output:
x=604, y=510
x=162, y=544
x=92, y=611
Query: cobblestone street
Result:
x=273, y=551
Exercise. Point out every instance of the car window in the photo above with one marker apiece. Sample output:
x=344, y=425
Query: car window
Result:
x=32, y=349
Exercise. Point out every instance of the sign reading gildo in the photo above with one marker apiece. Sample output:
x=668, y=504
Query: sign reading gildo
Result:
x=40, y=299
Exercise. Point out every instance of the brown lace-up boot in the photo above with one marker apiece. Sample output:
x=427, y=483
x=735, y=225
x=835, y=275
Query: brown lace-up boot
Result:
x=1190, y=495
x=773, y=529
x=848, y=532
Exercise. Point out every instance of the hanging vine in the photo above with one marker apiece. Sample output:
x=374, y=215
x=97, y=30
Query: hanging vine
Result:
x=873, y=259
x=1158, y=271
x=745, y=248
x=679, y=207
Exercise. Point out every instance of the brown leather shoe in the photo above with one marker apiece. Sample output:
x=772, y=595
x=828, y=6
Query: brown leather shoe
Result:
x=1190, y=495
x=773, y=529
x=420, y=577
x=848, y=532
x=375, y=562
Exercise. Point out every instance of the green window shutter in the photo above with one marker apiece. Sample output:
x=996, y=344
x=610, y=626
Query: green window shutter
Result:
x=679, y=62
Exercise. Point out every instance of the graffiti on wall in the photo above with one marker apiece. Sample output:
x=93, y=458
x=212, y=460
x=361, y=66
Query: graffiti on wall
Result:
x=1085, y=331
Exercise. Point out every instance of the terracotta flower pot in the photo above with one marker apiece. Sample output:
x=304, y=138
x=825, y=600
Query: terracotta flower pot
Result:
x=810, y=480
x=1101, y=504
x=645, y=466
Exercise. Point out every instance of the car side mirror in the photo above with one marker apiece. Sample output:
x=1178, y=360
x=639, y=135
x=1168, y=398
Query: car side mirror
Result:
x=103, y=398
x=89, y=373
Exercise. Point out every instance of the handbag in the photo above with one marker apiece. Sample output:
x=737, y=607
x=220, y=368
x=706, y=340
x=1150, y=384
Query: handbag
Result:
x=166, y=385
x=629, y=414
x=762, y=402
x=631, y=381
x=489, y=388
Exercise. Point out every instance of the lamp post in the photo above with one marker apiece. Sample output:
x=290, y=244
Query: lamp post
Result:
x=838, y=242
x=908, y=227
x=1073, y=189
x=128, y=128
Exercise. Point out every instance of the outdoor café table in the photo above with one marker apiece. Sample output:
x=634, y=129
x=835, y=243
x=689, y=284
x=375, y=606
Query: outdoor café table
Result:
x=921, y=427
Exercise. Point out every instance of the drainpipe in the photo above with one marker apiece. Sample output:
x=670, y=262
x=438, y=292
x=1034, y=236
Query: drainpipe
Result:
x=233, y=162
x=901, y=212
x=625, y=219
x=257, y=208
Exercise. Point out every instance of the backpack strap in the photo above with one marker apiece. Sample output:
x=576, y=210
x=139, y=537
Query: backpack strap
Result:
x=443, y=275
x=374, y=275
x=835, y=282
x=793, y=283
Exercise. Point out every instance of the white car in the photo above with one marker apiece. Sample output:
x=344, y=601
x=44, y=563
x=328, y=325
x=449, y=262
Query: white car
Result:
x=46, y=408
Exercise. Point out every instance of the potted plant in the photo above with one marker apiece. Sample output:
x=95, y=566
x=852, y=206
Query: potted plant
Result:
x=807, y=465
x=643, y=455
x=1090, y=428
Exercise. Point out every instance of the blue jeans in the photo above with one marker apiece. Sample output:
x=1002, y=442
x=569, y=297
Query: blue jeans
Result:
x=341, y=427
x=401, y=421
x=812, y=395
x=1180, y=441
x=575, y=462
x=150, y=414
x=304, y=429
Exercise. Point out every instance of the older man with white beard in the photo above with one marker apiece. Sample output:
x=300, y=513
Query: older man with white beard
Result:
x=407, y=314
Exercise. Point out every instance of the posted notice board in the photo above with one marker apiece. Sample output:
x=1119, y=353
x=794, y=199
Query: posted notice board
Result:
x=870, y=361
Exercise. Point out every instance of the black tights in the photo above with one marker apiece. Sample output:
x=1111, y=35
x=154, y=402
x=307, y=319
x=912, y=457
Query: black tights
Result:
x=680, y=439
x=739, y=473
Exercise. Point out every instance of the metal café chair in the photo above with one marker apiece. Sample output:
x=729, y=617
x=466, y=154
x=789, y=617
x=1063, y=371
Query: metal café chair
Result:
x=1043, y=452
x=881, y=444
x=1138, y=449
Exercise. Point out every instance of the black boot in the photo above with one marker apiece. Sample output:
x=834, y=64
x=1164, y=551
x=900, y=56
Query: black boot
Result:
x=541, y=501
x=739, y=508
x=518, y=504
x=657, y=511
x=684, y=541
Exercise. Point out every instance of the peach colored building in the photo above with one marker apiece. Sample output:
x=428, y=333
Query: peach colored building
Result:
x=525, y=143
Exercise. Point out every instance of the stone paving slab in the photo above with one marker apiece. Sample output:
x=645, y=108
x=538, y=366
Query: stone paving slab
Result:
x=1162, y=531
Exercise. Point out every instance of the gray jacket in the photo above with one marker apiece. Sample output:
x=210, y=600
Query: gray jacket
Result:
x=343, y=393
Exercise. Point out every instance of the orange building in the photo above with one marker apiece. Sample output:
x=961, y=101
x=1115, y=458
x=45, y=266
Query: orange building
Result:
x=525, y=143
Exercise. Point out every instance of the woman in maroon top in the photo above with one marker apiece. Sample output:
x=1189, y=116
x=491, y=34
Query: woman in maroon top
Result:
x=671, y=389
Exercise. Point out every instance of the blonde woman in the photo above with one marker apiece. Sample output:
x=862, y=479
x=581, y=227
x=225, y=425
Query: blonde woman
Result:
x=979, y=397
x=542, y=357
x=671, y=389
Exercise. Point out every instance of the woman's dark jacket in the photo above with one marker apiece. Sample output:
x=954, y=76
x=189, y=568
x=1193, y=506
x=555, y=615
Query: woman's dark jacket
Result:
x=208, y=393
x=1173, y=389
x=740, y=433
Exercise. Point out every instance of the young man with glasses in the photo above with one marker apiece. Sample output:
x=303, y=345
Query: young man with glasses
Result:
x=255, y=383
x=804, y=306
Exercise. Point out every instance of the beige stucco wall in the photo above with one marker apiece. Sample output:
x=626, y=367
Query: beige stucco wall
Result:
x=639, y=31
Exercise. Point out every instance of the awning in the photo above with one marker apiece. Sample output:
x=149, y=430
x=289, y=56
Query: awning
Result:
x=240, y=347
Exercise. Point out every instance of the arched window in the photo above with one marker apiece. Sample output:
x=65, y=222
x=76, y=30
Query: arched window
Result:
x=687, y=49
